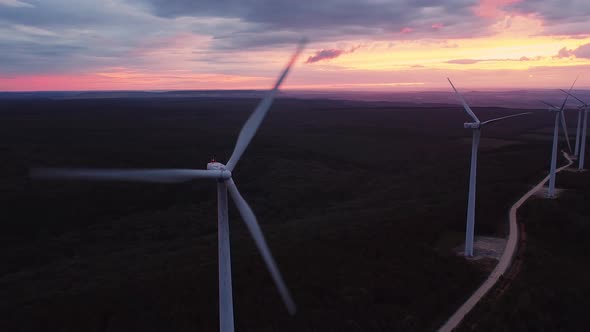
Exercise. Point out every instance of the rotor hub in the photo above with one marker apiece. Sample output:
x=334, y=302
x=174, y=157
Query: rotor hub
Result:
x=217, y=166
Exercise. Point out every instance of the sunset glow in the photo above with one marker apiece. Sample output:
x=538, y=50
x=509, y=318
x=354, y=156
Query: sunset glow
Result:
x=144, y=45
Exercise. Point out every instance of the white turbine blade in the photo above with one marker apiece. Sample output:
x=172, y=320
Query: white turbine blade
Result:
x=564, y=126
x=254, y=228
x=130, y=175
x=505, y=117
x=251, y=126
x=467, y=108
x=573, y=96
x=550, y=105
x=565, y=100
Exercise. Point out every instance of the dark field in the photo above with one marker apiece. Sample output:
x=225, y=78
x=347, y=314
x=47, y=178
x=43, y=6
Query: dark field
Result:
x=551, y=291
x=361, y=205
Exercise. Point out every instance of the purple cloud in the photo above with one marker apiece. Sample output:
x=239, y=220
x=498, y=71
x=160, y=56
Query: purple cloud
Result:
x=324, y=55
x=564, y=53
x=582, y=52
x=560, y=18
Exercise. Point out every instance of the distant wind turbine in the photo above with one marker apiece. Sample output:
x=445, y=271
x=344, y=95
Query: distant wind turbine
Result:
x=559, y=117
x=476, y=127
x=223, y=175
x=585, y=107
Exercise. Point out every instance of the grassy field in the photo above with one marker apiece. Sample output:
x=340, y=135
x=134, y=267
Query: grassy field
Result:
x=355, y=200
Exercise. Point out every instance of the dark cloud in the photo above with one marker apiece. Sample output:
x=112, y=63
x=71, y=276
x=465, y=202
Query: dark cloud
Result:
x=56, y=36
x=45, y=36
x=319, y=14
x=568, y=17
x=324, y=55
x=330, y=54
x=553, y=11
x=334, y=20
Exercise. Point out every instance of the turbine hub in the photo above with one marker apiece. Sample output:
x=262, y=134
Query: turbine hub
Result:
x=216, y=166
x=471, y=125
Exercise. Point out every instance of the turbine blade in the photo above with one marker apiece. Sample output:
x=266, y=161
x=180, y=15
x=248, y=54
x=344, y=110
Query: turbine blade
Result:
x=573, y=96
x=253, y=123
x=550, y=105
x=505, y=117
x=467, y=108
x=565, y=133
x=129, y=175
x=254, y=228
x=565, y=100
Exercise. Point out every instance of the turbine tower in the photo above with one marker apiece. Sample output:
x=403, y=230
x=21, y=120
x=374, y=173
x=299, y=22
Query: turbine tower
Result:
x=476, y=127
x=584, y=127
x=223, y=176
x=559, y=117
x=578, y=133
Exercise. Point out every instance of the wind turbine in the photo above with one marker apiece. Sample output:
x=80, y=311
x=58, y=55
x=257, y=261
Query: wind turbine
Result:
x=584, y=108
x=223, y=175
x=476, y=126
x=559, y=117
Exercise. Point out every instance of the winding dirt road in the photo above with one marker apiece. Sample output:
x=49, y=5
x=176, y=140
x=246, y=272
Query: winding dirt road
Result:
x=504, y=262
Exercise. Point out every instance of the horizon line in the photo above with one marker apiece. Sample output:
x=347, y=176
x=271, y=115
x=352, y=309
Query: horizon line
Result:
x=342, y=90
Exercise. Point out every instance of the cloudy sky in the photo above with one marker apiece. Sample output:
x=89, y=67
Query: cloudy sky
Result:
x=386, y=45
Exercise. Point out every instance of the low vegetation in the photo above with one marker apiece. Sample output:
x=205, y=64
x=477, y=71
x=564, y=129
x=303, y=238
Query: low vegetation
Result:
x=354, y=198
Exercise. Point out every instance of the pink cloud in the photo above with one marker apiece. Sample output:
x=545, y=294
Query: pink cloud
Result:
x=406, y=30
x=492, y=8
x=582, y=52
x=123, y=79
x=437, y=26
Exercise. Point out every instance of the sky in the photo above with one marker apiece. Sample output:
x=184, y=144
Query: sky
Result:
x=384, y=45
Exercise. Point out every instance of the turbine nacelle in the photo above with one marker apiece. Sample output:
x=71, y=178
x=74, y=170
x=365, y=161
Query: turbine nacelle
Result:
x=217, y=166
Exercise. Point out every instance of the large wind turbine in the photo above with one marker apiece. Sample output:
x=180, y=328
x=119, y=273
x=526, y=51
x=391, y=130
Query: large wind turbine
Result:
x=584, y=108
x=223, y=175
x=559, y=117
x=476, y=126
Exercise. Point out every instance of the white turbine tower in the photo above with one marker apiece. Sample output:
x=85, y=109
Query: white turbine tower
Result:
x=578, y=133
x=476, y=127
x=559, y=117
x=223, y=175
x=584, y=127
